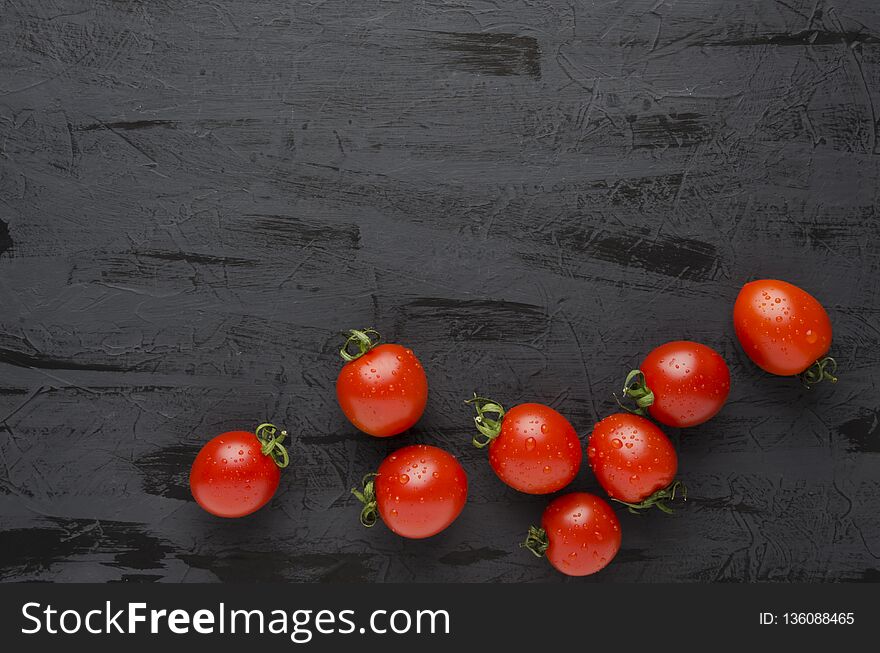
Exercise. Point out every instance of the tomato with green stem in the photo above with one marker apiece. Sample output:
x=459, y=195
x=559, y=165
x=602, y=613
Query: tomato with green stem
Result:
x=784, y=330
x=382, y=388
x=417, y=492
x=237, y=473
x=680, y=384
x=532, y=448
x=634, y=462
x=579, y=534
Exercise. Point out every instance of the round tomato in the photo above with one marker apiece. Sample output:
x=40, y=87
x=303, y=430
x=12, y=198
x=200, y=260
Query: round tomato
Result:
x=680, y=384
x=633, y=461
x=382, y=389
x=579, y=534
x=784, y=330
x=237, y=472
x=532, y=448
x=418, y=491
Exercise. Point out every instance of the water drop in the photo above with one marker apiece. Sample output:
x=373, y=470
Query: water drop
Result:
x=616, y=443
x=530, y=444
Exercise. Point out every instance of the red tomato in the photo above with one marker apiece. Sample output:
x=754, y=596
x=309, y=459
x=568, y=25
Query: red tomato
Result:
x=681, y=384
x=579, y=534
x=418, y=491
x=532, y=448
x=382, y=389
x=784, y=330
x=633, y=461
x=237, y=472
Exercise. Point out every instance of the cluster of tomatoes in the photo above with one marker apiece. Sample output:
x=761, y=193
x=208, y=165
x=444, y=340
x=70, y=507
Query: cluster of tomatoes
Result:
x=420, y=490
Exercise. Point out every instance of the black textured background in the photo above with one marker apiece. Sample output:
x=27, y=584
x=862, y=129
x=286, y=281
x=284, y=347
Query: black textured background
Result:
x=196, y=197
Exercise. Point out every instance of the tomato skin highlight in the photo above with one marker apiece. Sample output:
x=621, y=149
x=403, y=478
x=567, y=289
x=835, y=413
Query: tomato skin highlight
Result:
x=782, y=328
x=537, y=451
x=583, y=533
x=420, y=490
x=384, y=392
x=690, y=382
x=631, y=457
x=231, y=477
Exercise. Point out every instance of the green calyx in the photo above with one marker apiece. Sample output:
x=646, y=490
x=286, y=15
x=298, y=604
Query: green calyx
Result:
x=658, y=499
x=489, y=428
x=364, y=340
x=822, y=370
x=370, y=511
x=536, y=541
x=636, y=388
x=271, y=438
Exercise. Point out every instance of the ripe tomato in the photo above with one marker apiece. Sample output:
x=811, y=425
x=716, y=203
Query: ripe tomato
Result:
x=382, y=389
x=418, y=491
x=633, y=461
x=784, y=330
x=532, y=448
x=579, y=534
x=680, y=384
x=237, y=472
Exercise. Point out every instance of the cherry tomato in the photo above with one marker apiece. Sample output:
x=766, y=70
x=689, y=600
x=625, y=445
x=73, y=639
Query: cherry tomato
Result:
x=532, y=448
x=680, y=384
x=633, y=461
x=237, y=472
x=579, y=534
x=382, y=389
x=784, y=330
x=418, y=491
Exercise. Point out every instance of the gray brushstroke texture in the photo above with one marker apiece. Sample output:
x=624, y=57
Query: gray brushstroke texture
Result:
x=195, y=198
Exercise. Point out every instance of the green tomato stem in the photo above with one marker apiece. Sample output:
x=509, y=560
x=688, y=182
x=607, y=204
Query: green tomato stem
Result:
x=657, y=500
x=370, y=511
x=636, y=387
x=271, y=438
x=364, y=339
x=822, y=370
x=489, y=428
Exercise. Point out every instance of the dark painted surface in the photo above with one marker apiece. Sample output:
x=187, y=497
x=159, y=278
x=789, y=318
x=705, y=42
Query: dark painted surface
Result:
x=195, y=198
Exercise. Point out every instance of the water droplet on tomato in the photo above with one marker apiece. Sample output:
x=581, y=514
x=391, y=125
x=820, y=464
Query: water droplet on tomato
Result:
x=546, y=469
x=810, y=336
x=616, y=443
x=404, y=479
x=629, y=445
x=530, y=444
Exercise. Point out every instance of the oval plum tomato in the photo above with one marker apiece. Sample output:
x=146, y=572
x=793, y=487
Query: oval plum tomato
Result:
x=532, y=448
x=680, y=384
x=382, y=389
x=579, y=534
x=237, y=472
x=784, y=330
x=417, y=491
x=633, y=461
